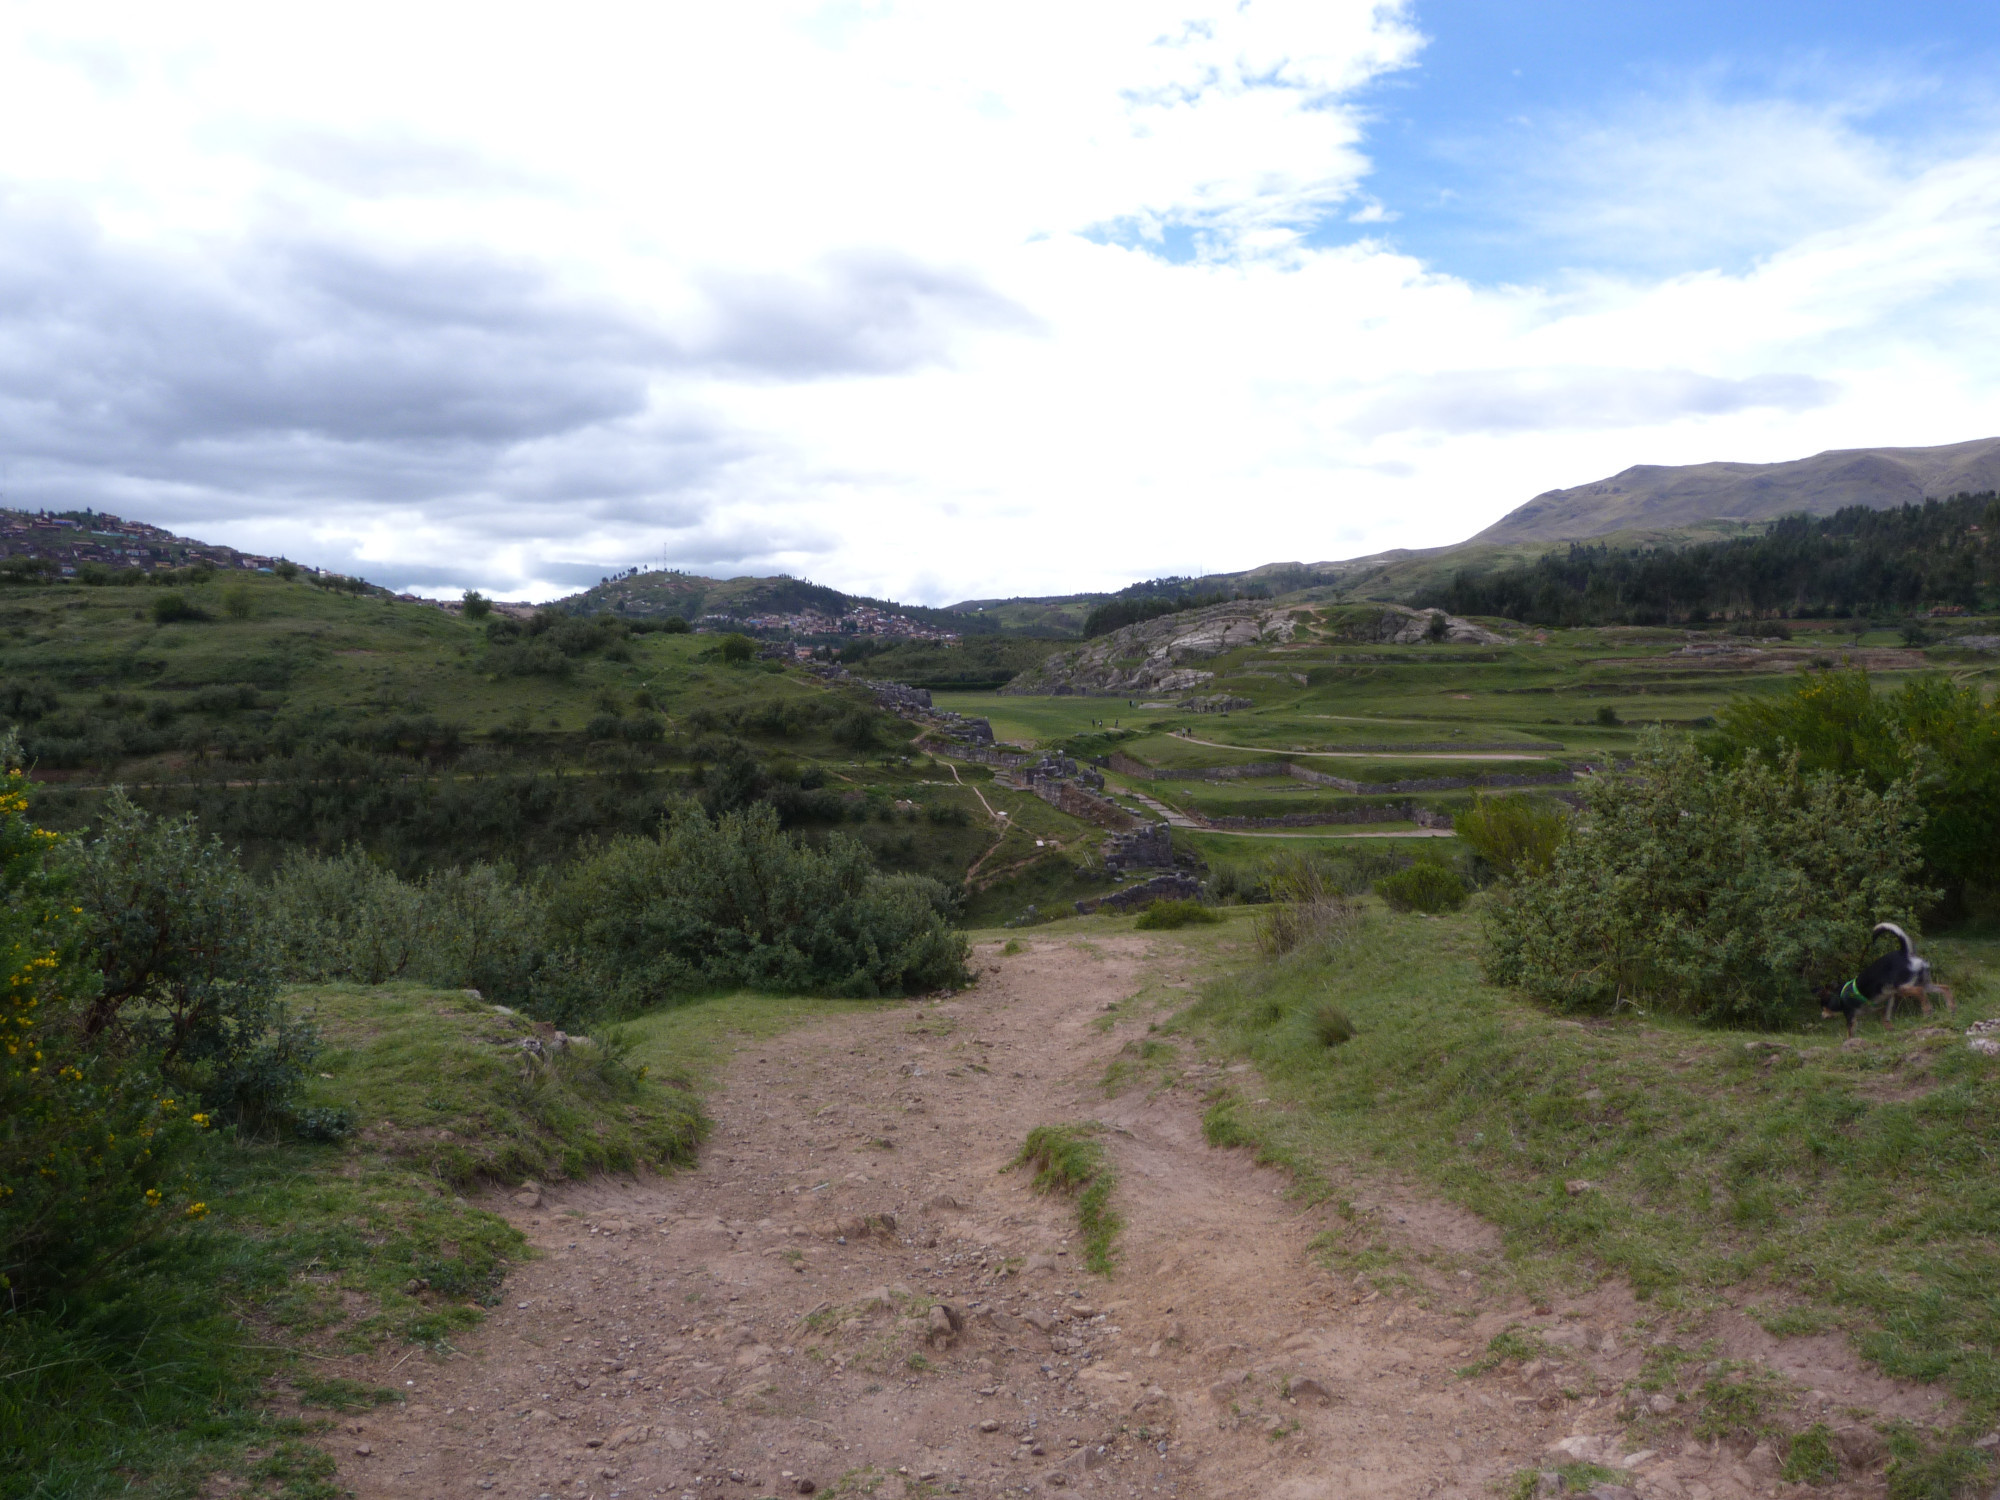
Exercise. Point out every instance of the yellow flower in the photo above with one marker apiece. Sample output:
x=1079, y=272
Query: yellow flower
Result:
x=201, y=1120
x=153, y=1197
x=197, y=1210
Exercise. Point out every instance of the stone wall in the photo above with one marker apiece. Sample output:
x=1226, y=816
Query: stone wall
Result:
x=1147, y=847
x=1175, y=887
x=1253, y=770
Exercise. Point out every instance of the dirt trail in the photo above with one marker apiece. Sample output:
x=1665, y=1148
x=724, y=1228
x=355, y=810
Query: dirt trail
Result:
x=755, y=1324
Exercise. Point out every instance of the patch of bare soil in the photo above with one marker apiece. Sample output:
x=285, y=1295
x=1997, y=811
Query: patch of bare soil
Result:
x=852, y=1295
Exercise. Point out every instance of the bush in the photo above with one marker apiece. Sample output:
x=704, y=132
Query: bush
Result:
x=239, y=602
x=1307, y=906
x=735, y=904
x=1517, y=835
x=172, y=608
x=347, y=917
x=1423, y=887
x=172, y=925
x=94, y=1152
x=1939, y=738
x=1164, y=916
x=1329, y=1024
x=476, y=606
x=737, y=649
x=1726, y=892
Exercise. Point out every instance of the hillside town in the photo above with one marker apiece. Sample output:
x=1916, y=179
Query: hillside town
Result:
x=860, y=620
x=72, y=539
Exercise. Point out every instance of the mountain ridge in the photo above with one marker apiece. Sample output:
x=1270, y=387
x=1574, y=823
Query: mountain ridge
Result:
x=1668, y=496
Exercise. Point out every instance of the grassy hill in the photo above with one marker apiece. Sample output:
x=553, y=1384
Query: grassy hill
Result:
x=291, y=715
x=1657, y=496
x=665, y=594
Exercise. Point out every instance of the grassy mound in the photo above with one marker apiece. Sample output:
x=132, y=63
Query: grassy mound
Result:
x=1825, y=1188
x=440, y=1080
x=1165, y=916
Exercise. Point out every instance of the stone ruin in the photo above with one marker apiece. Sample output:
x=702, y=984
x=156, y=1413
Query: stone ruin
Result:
x=900, y=699
x=1074, y=789
x=1177, y=886
x=961, y=730
x=1147, y=847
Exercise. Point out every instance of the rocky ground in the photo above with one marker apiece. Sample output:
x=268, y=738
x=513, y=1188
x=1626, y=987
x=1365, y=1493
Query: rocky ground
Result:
x=854, y=1296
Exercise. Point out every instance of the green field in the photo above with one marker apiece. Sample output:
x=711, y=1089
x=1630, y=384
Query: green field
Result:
x=1552, y=701
x=1817, y=1188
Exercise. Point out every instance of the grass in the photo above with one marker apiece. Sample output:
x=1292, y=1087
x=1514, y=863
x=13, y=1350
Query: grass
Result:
x=438, y=1079
x=1068, y=1159
x=1826, y=1189
x=692, y=1043
x=315, y=1250
x=1166, y=916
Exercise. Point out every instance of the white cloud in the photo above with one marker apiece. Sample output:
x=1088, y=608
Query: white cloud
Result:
x=876, y=292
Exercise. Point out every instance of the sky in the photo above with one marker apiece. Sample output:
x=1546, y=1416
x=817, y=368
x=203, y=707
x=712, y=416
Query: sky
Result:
x=936, y=301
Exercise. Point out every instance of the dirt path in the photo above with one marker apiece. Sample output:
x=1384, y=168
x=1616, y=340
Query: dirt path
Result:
x=1188, y=739
x=764, y=1325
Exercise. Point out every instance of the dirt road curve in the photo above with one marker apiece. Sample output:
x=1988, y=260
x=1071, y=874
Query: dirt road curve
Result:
x=754, y=1327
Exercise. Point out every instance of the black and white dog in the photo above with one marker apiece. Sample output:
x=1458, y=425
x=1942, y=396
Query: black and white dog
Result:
x=1899, y=975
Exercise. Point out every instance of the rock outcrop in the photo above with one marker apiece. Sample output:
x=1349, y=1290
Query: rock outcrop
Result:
x=1158, y=656
x=1163, y=657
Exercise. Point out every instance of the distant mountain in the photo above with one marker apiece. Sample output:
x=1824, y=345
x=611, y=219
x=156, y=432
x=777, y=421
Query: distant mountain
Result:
x=1656, y=497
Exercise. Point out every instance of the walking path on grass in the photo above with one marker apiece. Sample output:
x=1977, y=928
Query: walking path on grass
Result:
x=1188, y=739
x=772, y=1324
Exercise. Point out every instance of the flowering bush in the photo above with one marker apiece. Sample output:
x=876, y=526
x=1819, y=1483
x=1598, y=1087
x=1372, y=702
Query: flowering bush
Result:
x=94, y=1150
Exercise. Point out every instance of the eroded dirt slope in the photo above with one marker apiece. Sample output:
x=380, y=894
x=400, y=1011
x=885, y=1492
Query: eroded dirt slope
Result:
x=854, y=1296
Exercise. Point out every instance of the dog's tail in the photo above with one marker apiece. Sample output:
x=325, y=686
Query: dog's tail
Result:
x=1897, y=933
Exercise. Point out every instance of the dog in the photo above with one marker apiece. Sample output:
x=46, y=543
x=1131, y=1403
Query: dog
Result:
x=1893, y=976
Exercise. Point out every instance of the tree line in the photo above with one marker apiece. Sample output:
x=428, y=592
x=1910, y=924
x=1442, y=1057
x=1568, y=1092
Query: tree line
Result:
x=1855, y=562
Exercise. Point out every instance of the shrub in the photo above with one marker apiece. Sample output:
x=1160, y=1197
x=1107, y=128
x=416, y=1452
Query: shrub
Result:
x=1329, y=1024
x=1726, y=892
x=1938, y=737
x=239, y=602
x=172, y=925
x=1166, y=915
x=94, y=1153
x=171, y=608
x=539, y=657
x=737, y=649
x=1307, y=906
x=1423, y=887
x=476, y=606
x=735, y=903
x=1517, y=835
x=347, y=917
x=1608, y=717
x=674, y=625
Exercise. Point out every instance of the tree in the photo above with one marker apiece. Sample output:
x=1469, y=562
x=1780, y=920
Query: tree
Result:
x=737, y=649
x=477, y=605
